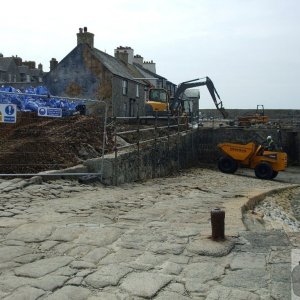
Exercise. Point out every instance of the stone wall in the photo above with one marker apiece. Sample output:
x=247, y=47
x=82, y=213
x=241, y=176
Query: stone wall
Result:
x=274, y=114
x=182, y=151
x=72, y=77
x=209, y=138
x=128, y=105
x=153, y=160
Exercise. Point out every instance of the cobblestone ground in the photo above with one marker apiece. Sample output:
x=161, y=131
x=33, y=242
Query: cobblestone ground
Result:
x=62, y=240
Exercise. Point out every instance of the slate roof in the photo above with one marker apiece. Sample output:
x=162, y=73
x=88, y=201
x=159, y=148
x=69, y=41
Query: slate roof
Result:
x=117, y=67
x=137, y=74
x=169, y=82
x=4, y=63
x=113, y=64
x=152, y=74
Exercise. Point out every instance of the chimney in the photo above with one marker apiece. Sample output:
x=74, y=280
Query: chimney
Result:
x=138, y=59
x=18, y=60
x=40, y=67
x=53, y=64
x=150, y=65
x=1, y=55
x=29, y=64
x=85, y=37
x=124, y=54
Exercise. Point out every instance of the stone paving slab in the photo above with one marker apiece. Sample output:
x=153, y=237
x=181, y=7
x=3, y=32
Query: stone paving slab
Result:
x=145, y=284
x=25, y=292
x=149, y=240
x=42, y=267
x=70, y=292
x=8, y=253
x=106, y=276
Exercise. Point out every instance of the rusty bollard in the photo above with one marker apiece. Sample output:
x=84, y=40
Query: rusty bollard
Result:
x=217, y=223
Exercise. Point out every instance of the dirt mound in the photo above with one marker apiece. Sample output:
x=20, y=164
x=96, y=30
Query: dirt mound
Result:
x=36, y=144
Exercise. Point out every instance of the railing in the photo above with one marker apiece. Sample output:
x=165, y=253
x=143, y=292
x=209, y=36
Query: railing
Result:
x=142, y=134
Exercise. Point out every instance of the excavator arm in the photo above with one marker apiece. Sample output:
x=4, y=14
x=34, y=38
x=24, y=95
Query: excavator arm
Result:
x=177, y=102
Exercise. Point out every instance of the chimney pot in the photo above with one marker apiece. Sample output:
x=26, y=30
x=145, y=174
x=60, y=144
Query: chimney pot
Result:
x=85, y=37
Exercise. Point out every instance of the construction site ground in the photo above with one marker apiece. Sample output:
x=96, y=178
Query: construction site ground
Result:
x=149, y=240
x=37, y=144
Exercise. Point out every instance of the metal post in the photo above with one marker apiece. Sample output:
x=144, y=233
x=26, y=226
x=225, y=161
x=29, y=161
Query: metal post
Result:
x=217, y=223
x=116, y=152
x=198, y=142
x=155, y=146
x=104, y=138
x=169, y=156
x=138, y=145
x=192, y=141
x=178, y=138
x=186, y=141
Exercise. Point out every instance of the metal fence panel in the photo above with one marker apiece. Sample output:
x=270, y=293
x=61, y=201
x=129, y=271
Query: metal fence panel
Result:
x=35, y=144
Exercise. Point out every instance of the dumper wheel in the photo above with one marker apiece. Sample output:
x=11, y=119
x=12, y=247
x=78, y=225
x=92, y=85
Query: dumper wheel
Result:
x=275, y=173
x=264, y=171
x=227, y=164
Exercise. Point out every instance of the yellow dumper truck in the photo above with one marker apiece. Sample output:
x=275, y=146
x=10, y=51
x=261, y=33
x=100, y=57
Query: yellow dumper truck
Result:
x=266, y=164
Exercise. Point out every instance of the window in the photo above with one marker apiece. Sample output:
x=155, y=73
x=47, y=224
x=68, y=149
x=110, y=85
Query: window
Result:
x=158, y=95
x=137, y=92
x=124, y=109
x=125, y=87
x=160, y=83
x=132, y=107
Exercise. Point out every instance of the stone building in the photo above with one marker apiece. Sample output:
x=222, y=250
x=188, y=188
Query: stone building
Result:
x=148, y=70
x=9, y=71
x=89, y=73
x=193, y=96
x=18, y=73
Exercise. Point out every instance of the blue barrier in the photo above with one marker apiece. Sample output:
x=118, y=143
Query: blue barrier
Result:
x=32, y=98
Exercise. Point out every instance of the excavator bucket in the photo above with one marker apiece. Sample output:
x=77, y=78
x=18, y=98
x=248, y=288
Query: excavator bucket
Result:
x=223, y=112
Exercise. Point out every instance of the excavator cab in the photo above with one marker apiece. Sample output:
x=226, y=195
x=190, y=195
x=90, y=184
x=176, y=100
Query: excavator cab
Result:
x=181, y=106
x=158, y=101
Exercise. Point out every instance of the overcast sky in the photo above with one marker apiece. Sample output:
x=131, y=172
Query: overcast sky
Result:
x=249, y=48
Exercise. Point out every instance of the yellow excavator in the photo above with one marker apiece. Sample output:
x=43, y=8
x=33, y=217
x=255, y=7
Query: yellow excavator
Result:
x=160, y=103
